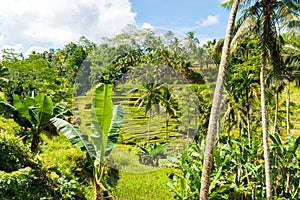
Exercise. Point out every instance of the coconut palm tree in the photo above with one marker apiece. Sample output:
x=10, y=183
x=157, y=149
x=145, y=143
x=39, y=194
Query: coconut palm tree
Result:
x=150, y=96
x=191, y=41
x=175, y=46
x=291, y=59
x=169, y=103
x=277, y=86
x=208, y=49
x=215, y=110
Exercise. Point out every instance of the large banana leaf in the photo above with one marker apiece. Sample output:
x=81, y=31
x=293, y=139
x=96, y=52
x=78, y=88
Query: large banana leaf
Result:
x=106, y=121
x=23, y=108
x=75, y=136
x=113, y=133
x=101, y=119
x=7, y=107
x=98, y=141
x=44, y=112
x=103, y=107
x=60, y=110
x=22, y=121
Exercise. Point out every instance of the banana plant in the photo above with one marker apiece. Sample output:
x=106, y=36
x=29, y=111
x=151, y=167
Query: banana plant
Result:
x=33, y=113
x=285, y=160
x=150, y=153
x=106, y=120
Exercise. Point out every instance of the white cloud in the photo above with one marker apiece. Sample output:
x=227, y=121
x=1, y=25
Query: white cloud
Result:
x=223, y=1
x=210, y=20
x=56, y=23
x=147, y=26
x=203, y=40
x=36, y=49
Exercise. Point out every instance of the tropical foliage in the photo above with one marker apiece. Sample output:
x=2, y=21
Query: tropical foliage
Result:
x=238, y=171
x=33, y=114
x=242, y=145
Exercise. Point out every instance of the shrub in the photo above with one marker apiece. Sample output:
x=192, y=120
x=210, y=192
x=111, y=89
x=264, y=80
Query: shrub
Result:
x=28, y=183
x=23, y=177
x=9, y=126
x=14, y=154
x=150, y=154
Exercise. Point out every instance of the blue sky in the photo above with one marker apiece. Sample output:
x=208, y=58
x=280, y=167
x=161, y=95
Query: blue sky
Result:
x=206, y=18
x=27, y=25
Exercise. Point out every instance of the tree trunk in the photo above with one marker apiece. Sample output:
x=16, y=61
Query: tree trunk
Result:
x=288, y=108
x=276, y=112
x=215, y=110
x=264, y=55
x=167, y=124
x=229, y=128
x=248, y=117
x=149, y=121
x=240, y=125
x=265, y=133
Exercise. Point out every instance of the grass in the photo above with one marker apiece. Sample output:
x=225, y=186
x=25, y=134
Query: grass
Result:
x=139, y=186
x=136, y=181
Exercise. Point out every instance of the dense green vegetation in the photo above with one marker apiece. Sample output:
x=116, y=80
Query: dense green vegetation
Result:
x=128, y=118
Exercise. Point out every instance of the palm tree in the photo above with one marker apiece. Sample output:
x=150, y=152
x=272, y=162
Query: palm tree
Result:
x=291, y=59
x=208, y=49
x=260, y=18
x=191, y=41
x=150, y=97
x=241, y=85
x=277, y=86
x=215, y=110
x=175, y=46
x=169, y=102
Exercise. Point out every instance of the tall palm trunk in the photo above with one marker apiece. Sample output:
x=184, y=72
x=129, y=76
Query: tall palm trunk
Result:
x=288, y=107
x=264, y=55
x=229, y=127
x=215, y=110
x=265, y=132
x=248, y=126
x=248, y=117
x=276, y=111
x=167, y=124
x=149, y=122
